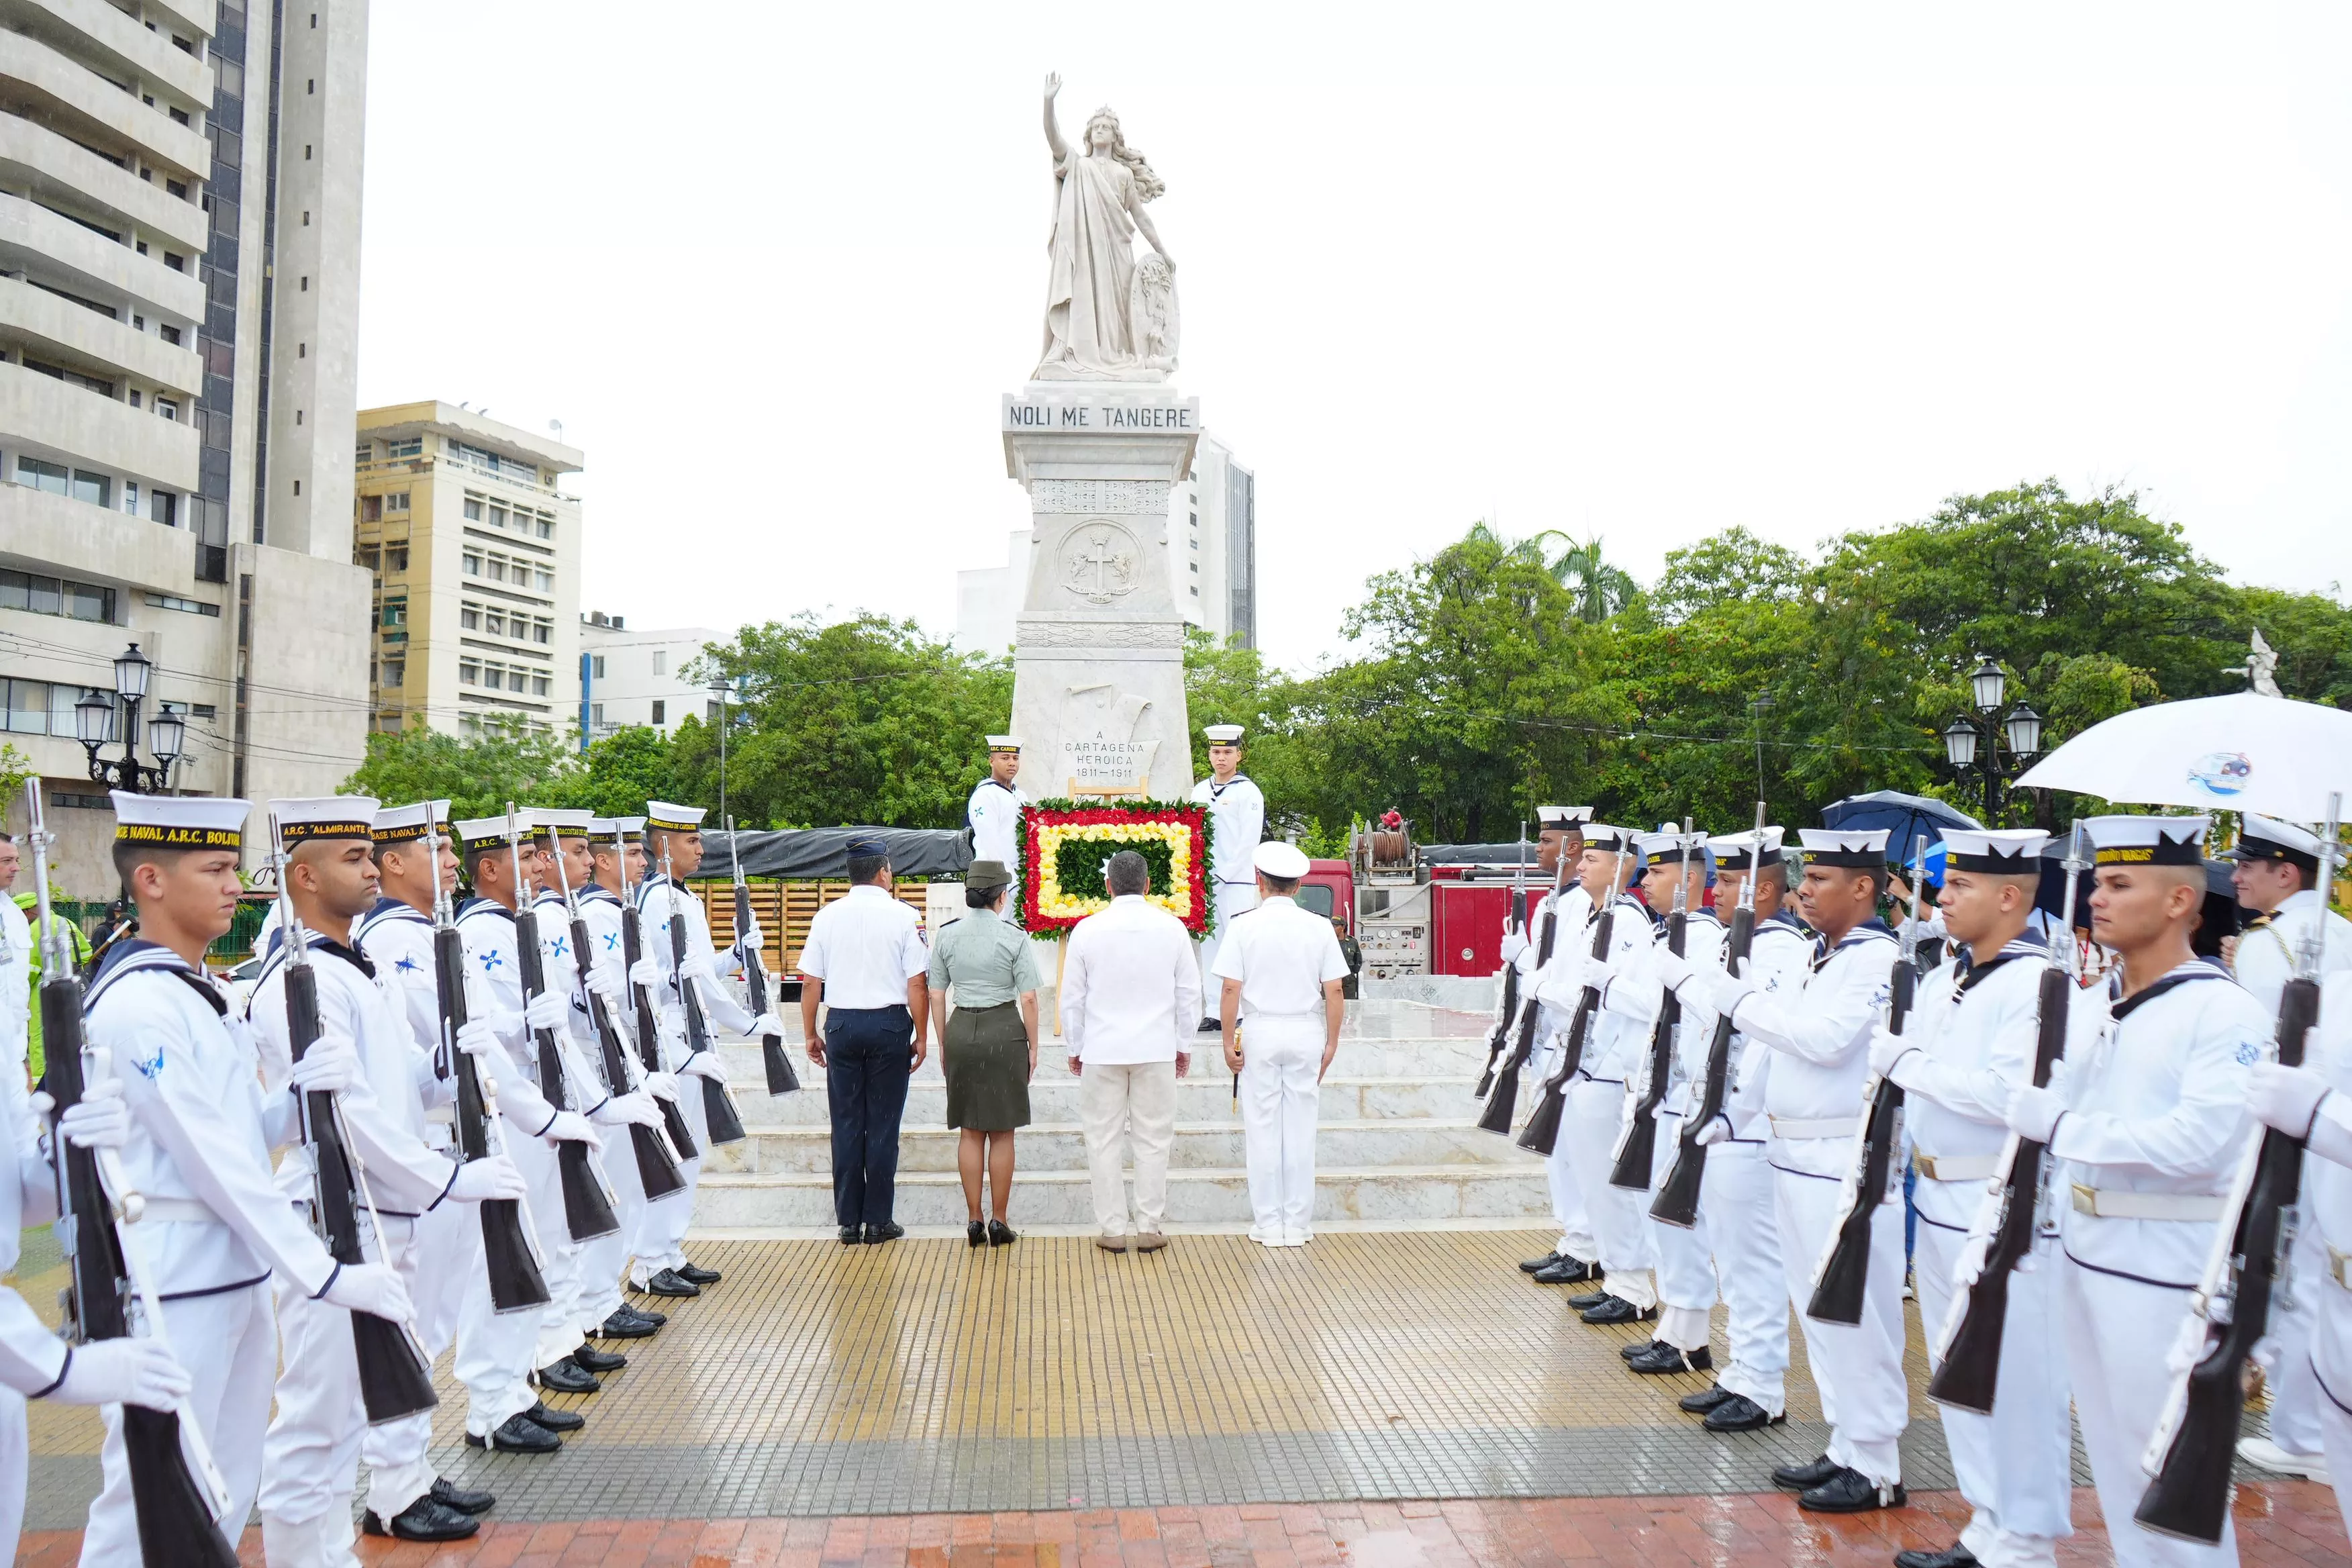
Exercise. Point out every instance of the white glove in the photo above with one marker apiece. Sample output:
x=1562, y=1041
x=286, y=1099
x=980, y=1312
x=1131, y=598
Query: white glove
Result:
x=1674, y=968
x=605, y=980
x=644, y=971
x=765, y=1025
x=660, y=1085
x=493, y=1177
x=751, y=938
x=328, y=1067
x=476, y=1037
x=2033, y=1112
x=1717, y=1130
x=123, y=1372
x=101, y=1121
x=1888, y=1047
x=635, y=1108
x=571, y=1127
x=548, y=1011
x=1514, y=944
x=1718, y=991
x=704, y=1064
x=701, y=967
x=2284, y=1098
x=1970, y=1267
x=372, y=1289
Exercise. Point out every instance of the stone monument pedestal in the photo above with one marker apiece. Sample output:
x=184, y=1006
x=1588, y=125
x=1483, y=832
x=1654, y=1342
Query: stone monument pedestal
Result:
x=1099, y=646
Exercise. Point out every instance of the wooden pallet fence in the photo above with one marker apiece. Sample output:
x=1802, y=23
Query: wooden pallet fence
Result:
x=783, y=910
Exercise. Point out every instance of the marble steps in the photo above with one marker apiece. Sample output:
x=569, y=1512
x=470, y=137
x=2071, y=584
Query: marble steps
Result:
x=1399, y=1056
x=1056, y=1099
x=1061, y=1146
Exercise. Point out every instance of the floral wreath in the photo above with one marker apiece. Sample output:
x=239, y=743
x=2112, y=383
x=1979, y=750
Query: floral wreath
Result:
x=1065, y=845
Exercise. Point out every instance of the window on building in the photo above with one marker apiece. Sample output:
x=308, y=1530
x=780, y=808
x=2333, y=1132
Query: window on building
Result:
x=366, y=555
x=367, y=452
x=189, y=606
x=595, y=712
x=497, y=624
x=370, y=508
x=396, y=611
x=396, y=501
x=395, y=558
x=543, y=580
x=396, y=672
x=596, y=666
x=497, y=569
x=661, y=712
x=547, y=528
x=470, y=618
x=538, y=686
x=170, y=334
x=55, y=596
x=514, y=679
x=543, y=631
x=412, y=447
x=469, y=672
x=473, y=509
x=661, y=661
x=473, y=564
x=1194, y=566
x=498, y=517
x=167, y=409
x=164, y=507
x=50, y=477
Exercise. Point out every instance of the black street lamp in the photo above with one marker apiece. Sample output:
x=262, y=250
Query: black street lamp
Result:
x=1995, y=749
x=96, y=721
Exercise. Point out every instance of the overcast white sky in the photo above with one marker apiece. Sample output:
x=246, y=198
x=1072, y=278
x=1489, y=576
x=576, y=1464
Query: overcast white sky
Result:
x=1642, y=272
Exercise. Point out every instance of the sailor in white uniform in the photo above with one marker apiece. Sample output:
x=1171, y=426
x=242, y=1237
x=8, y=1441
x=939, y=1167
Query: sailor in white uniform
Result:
x=1565, y=912
x=1279, y=972
x=1738, y=1204
x=310, y=1455
x=993, y=815
x=1968, y=1043
x=15, y=959
x=1595, y=1108
x=1236, y=824
x=199, y=1149
x=2147, y=1125
x=2277, y=874
x=599, y=907
x=1813, y=1099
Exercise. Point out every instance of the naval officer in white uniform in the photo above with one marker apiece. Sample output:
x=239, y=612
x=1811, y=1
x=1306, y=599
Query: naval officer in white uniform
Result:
x=993, y=814
x=1236, y=824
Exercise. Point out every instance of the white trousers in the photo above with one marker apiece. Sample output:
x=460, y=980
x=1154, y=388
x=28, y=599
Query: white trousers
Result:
x=1736, y=1212
x=2118, y=1333
x=1131, y=1103
x=442, y=1251
x=604, y=1260
x=559, y=1255
x=1231, y=899
x=2295, y=1398
x=15, y=1459
x=1620, y=1224
x=1685, y=1274
x=230, y=1349
x=1280, y=1060
x=2014, y=1466
x=2330, y=1370
x=1559, y=1173
x=661, y=1225
x=1858, y=1368
x=494, y=1353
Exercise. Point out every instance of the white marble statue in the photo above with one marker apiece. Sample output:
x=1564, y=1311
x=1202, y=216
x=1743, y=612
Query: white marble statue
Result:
x=1107, y=318
x=2261, y=669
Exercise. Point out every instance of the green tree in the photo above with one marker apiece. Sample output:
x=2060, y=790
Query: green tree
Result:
x=620, y=773
x=1596, y=586
x=477, y=773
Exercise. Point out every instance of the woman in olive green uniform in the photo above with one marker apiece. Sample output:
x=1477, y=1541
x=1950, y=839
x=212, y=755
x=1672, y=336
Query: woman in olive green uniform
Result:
x=989, y=1047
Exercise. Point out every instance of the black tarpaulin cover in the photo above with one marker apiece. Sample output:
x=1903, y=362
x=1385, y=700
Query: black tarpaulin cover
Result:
x=814, y=854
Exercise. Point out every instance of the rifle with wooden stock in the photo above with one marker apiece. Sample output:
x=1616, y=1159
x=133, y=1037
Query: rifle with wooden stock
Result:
x=642, y=1012
x=719, y=1116
x=1637, y=1140
x=1677, y=1200
x=1506, y=1011
x=588, y=1202
x=1542, y=1134
x=782, y=1078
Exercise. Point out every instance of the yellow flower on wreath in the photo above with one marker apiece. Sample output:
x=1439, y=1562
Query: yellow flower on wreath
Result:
x=1055, y=904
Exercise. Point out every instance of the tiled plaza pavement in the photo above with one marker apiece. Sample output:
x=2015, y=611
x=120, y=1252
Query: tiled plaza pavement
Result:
x=1155, y=1409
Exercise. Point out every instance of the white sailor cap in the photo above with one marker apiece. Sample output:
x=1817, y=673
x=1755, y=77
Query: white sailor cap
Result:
x=314, y=817
x=566, y=823
x=481, y=832
x=1004, y=744
x=1223, y=734
x=1857, y=850
x=1277, y=859
x=2267, y=838
x=1736, y=851
x=1667, y=845
x=2148, y=840
x=2006, y=852
x=666, y=816
x=1563, y=815
x=180, y=821
x=405, y=823
x=605, y=829
x=1606, y=838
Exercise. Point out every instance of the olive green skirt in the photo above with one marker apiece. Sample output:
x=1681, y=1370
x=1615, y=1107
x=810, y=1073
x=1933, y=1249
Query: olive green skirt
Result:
x=985, y=1057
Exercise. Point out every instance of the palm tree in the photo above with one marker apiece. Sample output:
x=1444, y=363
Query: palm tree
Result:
x=1599, y=588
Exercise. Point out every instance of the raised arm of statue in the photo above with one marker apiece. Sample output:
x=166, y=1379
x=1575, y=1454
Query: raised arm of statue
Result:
x=1053, y=131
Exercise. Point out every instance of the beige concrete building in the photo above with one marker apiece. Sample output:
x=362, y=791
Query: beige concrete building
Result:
x=179, y=296
x=475, y=559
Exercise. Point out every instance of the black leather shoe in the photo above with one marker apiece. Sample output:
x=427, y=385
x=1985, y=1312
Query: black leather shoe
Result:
x=975, y=1232
x=625, y=1324
x=1705, y=1399
x=1662, y=1359
x=539, y=1415
x=851, y=1235
x=517, y=1434
x=644, y=1314
x=1737, y=1413
x=667, y=1283
x=1804, y=1477
x=888, y=1230
x=1849, y=1491
x=588, y=1358
x=696, y=1273
x=1570, y=1271
x=423, y=1520
x=1951, y=1557
x=465, y=1499
x=1537, y=1265
x=564, y=1376
x=1589, y=1301
x=1639, y=1347
x=998, y=1234
x=1617, y=1310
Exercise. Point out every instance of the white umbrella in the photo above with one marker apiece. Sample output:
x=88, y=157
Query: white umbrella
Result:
x=2246, y=752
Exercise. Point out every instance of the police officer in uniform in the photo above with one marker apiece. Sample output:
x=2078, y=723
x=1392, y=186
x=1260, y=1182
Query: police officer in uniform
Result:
x=993, y=815
x=1236, y=824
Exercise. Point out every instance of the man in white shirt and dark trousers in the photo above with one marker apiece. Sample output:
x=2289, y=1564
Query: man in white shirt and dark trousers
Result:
x=1282, y=967
x=993, y=815
x=865, y=962
x=1129, y=992
x=1236, y=822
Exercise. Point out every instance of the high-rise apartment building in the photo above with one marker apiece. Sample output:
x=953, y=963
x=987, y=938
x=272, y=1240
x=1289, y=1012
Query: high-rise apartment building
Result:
x=632, y=676
x=476, y=560
x=179, y=300
x=1212, y=560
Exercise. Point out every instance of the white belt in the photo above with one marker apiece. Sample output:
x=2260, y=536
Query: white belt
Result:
x=1957, y=1167
x=178, y=1211
x=2146, y=1205
x=1802, y=1130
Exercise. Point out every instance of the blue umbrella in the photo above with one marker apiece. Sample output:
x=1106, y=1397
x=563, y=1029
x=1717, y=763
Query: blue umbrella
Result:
x=1904, y=817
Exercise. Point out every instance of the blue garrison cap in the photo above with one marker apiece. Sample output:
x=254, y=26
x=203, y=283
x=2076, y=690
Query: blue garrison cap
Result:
x=862, y=847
